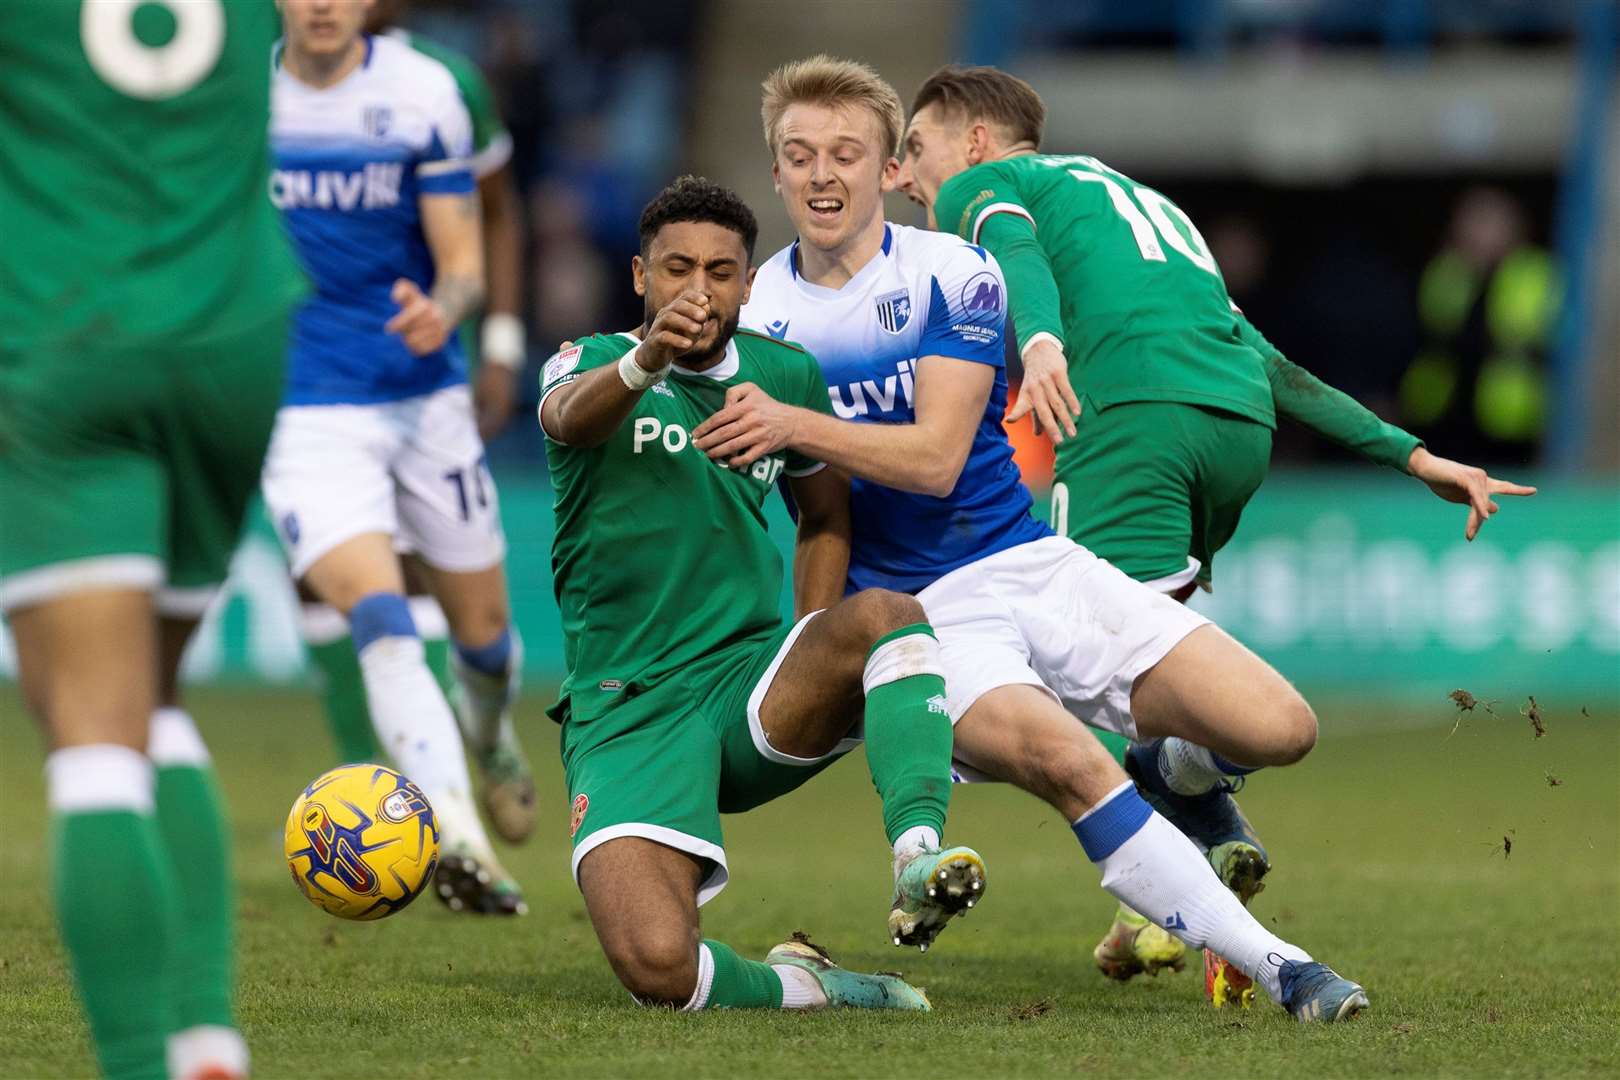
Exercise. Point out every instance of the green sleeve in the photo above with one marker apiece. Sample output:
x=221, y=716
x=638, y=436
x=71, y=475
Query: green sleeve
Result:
x=1032, y=292
x=810, y=392
x=568, y=365
x=1332, y=414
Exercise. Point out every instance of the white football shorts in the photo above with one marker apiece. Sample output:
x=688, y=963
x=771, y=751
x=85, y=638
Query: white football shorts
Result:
x=413, y=469
x=1051, y=614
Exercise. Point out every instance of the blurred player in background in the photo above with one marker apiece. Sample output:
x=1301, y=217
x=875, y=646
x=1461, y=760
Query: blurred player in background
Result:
x=1160, y=395
x=687, y=696
x=907, y=327
x=508, y=784
x=144, y=292
x=376, y=443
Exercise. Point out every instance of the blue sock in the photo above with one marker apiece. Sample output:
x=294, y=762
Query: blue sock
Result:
x=494, y=659
x=1230, y=768
x=1103, y=828
x=380, y=615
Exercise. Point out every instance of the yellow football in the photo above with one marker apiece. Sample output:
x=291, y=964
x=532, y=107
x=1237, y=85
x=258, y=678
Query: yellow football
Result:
x=362, y=842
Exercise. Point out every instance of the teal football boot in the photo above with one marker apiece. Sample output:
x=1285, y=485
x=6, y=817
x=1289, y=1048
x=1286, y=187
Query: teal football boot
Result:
x=848, y=989
x=930, y=889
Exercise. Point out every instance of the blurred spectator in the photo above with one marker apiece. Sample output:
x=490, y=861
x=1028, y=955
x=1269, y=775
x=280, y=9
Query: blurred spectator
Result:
x=1487, y=302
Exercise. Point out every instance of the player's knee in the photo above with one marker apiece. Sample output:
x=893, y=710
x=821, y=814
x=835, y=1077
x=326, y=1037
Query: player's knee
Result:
x=882, y=612
x=658, y=968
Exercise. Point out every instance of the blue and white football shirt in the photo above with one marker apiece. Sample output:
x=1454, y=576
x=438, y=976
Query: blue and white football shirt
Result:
x=924, y=294
x=350, y=162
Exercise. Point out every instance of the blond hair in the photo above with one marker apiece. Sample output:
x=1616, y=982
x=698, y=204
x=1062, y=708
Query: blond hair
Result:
x=834, y=83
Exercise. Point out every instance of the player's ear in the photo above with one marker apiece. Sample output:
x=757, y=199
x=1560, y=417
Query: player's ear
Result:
x=978, y=148
x=638, y=273
x=748, y=283
x=890, y=174
x=776, y=177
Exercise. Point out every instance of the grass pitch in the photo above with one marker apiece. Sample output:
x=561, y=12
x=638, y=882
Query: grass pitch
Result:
x=1389, y=851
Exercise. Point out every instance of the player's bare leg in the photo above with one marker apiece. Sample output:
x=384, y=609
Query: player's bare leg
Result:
x=487, y=659
x=876, y=647
x=1021, y=734
x=87, y=664
x=361, y=577
x=642, y=899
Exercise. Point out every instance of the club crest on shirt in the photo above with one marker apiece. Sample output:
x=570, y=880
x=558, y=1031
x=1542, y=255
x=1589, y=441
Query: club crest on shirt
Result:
x=894, y=310
x=377, y=120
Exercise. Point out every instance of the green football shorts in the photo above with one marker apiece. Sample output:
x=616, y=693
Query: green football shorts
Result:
x=664, y=764
x=1157, y=487
x=132, y=468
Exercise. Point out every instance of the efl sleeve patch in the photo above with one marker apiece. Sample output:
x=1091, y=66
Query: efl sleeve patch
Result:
x=561, y=364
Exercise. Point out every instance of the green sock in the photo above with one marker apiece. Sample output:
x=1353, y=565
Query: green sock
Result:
x=908, y=732
x=344, y=694
x=739, y=983
x=1113, y=742
x=192, y=823
x=115, y=898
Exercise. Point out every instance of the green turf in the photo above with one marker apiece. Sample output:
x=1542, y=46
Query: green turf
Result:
x=1389, y=866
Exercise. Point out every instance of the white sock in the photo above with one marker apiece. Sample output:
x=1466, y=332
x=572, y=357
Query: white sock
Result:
x=911, y=843
x=700, y=995
x=800, y=989
x=1187, y=768
x=175, y=741
x=99, y=778
x=204, y=1046
x=417, y=730
x=1157, y=871
x=486, y=715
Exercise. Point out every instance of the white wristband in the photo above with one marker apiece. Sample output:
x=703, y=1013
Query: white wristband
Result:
x=637, y=377
x=502, y=340
x=1042, y=336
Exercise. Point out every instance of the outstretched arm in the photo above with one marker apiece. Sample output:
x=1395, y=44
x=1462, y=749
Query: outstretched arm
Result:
x=821, y=552
x=587, y=410
x=925, y=456
x=1336, y=416
x=1036, y=305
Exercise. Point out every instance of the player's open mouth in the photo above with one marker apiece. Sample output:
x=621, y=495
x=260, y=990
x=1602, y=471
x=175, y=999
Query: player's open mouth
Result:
x=826, y=209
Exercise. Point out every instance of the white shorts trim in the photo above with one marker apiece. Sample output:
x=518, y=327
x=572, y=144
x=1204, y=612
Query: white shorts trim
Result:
x=756, y=727
x=56, y=580
x=187, y=603
x=1171, y=582
x=670, y=838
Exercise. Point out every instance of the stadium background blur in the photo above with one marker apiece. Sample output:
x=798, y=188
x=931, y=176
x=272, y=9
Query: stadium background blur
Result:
x=1407, y=196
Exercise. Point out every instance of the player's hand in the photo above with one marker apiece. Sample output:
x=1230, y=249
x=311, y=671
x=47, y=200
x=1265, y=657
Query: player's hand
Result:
x=1459, y=483
x=675, y=329
x=1046, y=392
x=495, y=393
x=421, y=322
x=750, y=425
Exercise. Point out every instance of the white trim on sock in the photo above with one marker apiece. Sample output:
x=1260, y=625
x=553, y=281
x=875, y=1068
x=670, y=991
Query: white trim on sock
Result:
x=206, y=1046
x=98, y=777
x=900, y=658
x=705, y=980
x=321, y=624
x=174, y=740
x=431, y=624
x=913, y=842
x=800, y=988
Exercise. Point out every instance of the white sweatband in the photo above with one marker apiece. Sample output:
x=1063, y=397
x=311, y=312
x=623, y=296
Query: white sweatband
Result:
x=1042, y=336
x=637, y=377
x=502, y=341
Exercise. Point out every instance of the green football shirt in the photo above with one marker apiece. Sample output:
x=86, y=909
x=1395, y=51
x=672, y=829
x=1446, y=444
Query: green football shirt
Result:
x=662, y=556
x=492, y=143
x=1141, y=309
x=133, y=182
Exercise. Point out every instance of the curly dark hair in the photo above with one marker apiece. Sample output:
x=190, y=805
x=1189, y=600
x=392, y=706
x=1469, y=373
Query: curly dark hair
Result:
x=697, y=198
